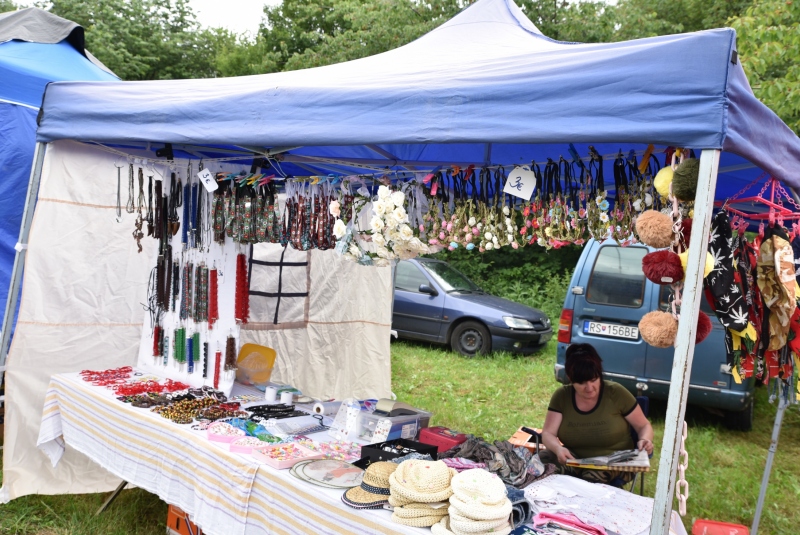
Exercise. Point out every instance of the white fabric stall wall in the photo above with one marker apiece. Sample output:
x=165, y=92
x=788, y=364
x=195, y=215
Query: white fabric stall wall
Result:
x=335, y=345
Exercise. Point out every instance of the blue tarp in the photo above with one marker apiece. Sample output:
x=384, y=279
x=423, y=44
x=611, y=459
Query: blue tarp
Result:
x=485, y=87
x=25, y=69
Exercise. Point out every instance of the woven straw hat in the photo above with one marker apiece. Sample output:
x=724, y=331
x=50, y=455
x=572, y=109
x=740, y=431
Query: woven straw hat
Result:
x=422, y=481
x=410, y=511
x=374, y=489
x=476, y=510
x=420, y=521
x=442, y=527
x=462, y=524
x=479, y=486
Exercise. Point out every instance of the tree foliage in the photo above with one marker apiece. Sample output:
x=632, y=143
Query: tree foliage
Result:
x=7, y=5
x=769, y=48
x=144, y=39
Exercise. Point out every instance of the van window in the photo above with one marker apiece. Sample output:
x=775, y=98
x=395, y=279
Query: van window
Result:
x=663, y=302
x=408, y=277
x=617, y=278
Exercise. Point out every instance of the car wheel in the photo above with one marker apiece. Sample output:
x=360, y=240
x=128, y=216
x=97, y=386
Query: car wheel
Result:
x=740, y=420
x=471, y=338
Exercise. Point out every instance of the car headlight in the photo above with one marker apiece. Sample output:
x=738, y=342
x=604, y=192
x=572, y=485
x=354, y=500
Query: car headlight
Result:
x=517, y=323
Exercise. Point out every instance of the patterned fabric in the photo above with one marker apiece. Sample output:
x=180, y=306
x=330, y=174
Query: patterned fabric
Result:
x=748, y=354
x=776, y=281
x=729, y=304
x=607, y=477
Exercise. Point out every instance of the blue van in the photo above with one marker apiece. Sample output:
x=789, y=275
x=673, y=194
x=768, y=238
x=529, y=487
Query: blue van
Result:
x=607, y=296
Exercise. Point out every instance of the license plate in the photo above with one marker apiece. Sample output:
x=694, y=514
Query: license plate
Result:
x=611, y=329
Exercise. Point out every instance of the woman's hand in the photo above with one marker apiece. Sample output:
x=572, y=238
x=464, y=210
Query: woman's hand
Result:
x=645, y=444
x=563, y=454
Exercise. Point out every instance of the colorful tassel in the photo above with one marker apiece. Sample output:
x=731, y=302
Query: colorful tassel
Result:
x=230, y=354
x=242, y=301
x=217, y=360
x=213, y=307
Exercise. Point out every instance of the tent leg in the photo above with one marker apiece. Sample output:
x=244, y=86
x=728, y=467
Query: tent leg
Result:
x=684, y=347
x=773, y=447
x=22, y=247
x=111, y=498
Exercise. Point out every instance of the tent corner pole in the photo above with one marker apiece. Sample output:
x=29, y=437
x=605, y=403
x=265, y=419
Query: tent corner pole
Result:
x=21, y=250
x=685, y=342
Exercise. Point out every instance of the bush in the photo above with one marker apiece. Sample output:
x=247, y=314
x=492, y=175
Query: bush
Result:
x=532, y=275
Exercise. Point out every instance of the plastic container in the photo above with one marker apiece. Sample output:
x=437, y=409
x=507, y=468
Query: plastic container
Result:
x=242, y=445
x=270, y=455
x=712, y=527
x=376, y=427
x=234, y=433
x=255, y=364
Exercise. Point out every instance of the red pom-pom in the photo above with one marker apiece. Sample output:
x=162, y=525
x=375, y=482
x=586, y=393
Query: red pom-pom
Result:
x=686, y=230
x=703, y=327
x=662, y=267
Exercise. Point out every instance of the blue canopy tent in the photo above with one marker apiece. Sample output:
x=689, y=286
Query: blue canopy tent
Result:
x=485, y=88
x=36, y=48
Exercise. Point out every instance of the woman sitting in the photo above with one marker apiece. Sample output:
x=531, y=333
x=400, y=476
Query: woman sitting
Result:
x=590, y=417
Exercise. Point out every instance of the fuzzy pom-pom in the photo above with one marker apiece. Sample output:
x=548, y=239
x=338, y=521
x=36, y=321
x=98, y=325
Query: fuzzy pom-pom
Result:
x=707, y=269
x=662, y=267
x=658, y=329
x=684, y=180
x=686, y=230
x=703, y=327
x=662, y=181
x=654, y=229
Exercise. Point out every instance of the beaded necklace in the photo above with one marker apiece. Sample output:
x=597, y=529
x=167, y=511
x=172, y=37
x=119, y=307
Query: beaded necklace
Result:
x=190, y=354
x=217, y=361
x=137, y=231
x=219, y=218
x=201, y=294
x=205, y=360
x=176, y=285
x=186, y=295
x=193, y=217
x=195, y=350
x=242, y=300
x=187, y=198
x=165, y=350
x=129, y=205
x=156, y=339
x=149, y=216
x=180, y=345
x=159, y=213
x=230, y=354
x=213, y=308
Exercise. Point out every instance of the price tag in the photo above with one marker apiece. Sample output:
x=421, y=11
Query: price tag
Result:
x=207, y=180
x=521, y=182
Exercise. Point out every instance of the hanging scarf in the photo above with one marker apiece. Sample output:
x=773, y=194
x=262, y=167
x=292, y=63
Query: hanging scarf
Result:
x=776, y=281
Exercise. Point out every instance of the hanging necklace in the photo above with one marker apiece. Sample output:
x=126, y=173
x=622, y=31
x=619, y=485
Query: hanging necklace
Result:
x=129, y=205
x=137, y=232
x=201, y=294
x=213, y=308
x=242, y=296
x=230, y=354
x=149, y=216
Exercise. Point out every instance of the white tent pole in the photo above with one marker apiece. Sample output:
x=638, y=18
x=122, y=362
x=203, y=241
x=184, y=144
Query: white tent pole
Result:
x=684, y=349
x=22, y=248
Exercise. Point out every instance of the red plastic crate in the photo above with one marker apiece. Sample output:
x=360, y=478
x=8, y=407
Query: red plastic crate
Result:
x=178, y=523
x=712, y=527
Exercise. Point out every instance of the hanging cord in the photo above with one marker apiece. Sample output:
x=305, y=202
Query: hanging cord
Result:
x=119, y=193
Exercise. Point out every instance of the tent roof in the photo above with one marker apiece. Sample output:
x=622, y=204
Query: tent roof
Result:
x=485, y=84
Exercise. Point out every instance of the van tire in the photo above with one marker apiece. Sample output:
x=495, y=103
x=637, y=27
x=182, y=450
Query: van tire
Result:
x=471, y=338
x=740, y=420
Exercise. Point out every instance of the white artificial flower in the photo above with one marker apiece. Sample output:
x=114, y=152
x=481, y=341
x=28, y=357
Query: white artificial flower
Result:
x=510, y=238
x=637, y=205
x=379, y=207
x=355, y=251
x=648, y=199
x=508, y=221
x=471, y=222
x=400, y=214
x=384, y=192
x=495, y=240
x=335, y=208
x=383, y=252
x=378, y=240
x=376, y=224
x=415, y=244
x=398, y=198
x=380, y=262
x=604, y=217
x=506, y=211
x=390, y=220
x=599, y=200
x=480, y=226
x=541, y=242
x=339, y=229
x=406, y=233
x=488, y=246
x=488, y=236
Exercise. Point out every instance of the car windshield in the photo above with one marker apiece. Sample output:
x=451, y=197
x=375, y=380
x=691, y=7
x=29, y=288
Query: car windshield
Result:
x=449, y=278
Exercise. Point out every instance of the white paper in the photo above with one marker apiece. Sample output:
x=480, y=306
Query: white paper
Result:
x=521, y=182
x=207, y=179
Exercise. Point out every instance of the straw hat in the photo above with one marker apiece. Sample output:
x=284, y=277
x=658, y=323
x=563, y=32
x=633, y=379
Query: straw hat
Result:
x=478, y=485
x=445, y=527
x=374, y=490
x=410, y=511
x=475, y=510
x=442, y=527
x=462, y=524
x=422, y=481
x=420, y=521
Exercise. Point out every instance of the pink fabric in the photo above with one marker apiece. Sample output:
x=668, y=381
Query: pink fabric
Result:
x=568, y=521
x=461, y=464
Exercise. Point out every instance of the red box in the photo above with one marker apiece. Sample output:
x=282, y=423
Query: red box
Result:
x=712, y=527
x=178, y=523
x=441, y=437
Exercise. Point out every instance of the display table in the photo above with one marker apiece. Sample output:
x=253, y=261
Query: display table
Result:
x=223, y=493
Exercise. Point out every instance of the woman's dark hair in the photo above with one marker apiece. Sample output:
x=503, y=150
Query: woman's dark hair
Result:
x=583, y=363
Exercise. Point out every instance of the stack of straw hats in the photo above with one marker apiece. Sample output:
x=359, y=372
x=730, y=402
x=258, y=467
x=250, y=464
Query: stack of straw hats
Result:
x=478, y=506
x=419, y=492
x=373, y=493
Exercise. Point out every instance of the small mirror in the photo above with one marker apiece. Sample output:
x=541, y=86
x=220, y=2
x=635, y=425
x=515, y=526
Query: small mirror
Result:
x=425, y=289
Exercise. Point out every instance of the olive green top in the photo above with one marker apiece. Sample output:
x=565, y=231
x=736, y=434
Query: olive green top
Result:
x=600, y=431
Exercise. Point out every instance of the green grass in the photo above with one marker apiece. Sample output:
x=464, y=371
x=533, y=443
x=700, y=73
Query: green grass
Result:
x=492, y=397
